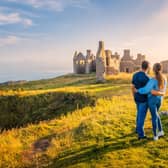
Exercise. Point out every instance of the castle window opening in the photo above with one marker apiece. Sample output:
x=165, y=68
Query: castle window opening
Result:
x=82, y=62
x=127, y=70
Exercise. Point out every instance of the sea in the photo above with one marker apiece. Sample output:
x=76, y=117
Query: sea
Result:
x=29, y=76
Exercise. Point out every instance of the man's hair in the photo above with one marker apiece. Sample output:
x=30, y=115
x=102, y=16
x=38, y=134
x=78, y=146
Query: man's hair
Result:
x=145, y=65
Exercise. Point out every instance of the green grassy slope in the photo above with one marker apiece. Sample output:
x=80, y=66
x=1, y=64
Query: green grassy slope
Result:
x=66, y=80
x=95, y=135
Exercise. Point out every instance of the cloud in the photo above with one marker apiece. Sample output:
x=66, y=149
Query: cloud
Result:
x=57, y=5
x=9, y=40
x=14, y=18
x=157, y=22
x=162, y=15
x=27, y=22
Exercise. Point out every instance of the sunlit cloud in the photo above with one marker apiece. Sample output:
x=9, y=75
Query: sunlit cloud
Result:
x=57, y=5
x=9, y=40
x=14, y=18
x=158, y=20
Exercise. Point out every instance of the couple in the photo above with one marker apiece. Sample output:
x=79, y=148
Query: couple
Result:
x=148, y=93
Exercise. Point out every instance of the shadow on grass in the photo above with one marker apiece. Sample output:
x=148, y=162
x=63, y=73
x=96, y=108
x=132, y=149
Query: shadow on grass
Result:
x=96, y=151
x=16, y=111
x=164, y=120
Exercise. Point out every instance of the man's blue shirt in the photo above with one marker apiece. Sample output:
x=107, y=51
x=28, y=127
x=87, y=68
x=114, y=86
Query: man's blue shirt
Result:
x=139, y=80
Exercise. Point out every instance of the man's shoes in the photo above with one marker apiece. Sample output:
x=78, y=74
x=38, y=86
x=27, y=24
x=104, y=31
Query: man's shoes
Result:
x=155, y=138
x=160, y=134
x=144, y=137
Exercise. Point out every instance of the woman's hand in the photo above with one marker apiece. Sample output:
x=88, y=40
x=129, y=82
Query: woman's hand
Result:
x=157, y=93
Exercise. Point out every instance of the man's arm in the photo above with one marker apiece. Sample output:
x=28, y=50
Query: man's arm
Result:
x=157, y=93
x=133, y=89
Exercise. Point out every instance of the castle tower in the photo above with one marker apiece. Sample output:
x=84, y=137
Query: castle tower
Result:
x=88, y=53
x=116, y=55
x=100, y=63
x=88, y=62
x=112, y=63
x=74, y=62
x=108, y=57
x=79, y=63
x=127, y=62
x=138, y=61
x=127, y=55
x=140, y=58
x=165, y=66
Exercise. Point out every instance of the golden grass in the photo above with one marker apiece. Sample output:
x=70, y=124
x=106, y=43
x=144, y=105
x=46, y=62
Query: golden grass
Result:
x=100, y=136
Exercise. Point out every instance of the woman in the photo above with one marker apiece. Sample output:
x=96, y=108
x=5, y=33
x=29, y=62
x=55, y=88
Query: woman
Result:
x=154, y=102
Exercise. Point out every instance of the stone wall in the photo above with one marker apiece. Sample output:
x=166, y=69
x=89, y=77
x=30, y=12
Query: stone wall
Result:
x=127, y=66
x=79, y=63
x=165, y=66
x=112, y=63
x=130, y=65
x=88, y=62
x=106, y=63
x=111, y=71
x=100, y=63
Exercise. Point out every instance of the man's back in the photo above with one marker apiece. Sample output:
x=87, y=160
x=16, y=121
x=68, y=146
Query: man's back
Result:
x=139, y=80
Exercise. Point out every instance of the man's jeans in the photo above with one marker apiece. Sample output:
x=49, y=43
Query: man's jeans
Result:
x=142, y=109
x=154, y=105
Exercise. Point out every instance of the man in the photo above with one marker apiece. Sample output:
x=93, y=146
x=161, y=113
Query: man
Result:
x=139, y=80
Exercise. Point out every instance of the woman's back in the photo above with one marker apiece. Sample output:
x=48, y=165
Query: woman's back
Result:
x=152, y=85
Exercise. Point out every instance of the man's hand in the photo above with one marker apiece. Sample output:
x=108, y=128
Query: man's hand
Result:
x=134, y=90
x=157, y=93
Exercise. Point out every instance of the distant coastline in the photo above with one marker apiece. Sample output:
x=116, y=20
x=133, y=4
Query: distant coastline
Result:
x=29, y=76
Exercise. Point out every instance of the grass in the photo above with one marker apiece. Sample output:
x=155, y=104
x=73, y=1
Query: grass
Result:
x=17, y=111
x=95, y=135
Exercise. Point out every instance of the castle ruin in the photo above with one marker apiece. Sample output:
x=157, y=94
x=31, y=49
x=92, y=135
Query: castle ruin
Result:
x=130, y=65
x=82, y=64
x=165, y=66
x=105, y=62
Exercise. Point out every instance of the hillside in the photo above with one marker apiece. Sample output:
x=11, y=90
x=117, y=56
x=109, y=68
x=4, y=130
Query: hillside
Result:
x=73, y=122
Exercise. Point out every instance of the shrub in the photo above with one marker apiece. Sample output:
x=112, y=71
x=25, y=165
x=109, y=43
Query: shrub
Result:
x=16, y=111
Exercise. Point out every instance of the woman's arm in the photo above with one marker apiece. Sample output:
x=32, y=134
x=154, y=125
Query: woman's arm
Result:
x=157, y=93
x=147, y=89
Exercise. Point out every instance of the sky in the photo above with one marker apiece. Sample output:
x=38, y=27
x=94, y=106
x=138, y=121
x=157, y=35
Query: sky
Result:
x=39, y=37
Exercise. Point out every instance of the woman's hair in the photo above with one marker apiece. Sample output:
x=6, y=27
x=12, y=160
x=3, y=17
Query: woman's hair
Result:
x=157, y=68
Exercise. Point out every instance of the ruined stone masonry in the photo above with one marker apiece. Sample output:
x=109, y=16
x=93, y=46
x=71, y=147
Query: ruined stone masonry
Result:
x=105, y=62
x=165, y=66
x=130, y=65
x=82, y=64
x=101, y=63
